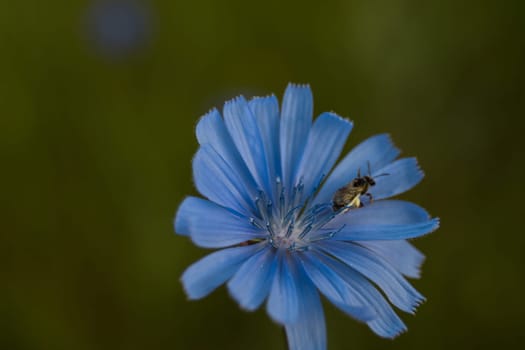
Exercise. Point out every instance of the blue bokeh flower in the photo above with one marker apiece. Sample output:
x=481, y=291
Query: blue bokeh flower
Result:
x=269, y=178
x=119, y=28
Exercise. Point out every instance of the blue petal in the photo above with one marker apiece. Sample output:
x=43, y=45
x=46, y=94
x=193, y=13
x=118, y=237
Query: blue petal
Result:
x=385, y=212
x=204, y=276
x=243, y=128
x=216, y=180
x=401, y=254
x=309, y=332
x=251, y=284
x=335, y=289
x=403, y=174
x=385, y=232
x=387, y=324
x=325, y=142
x=213, y=226
x=211, y=130
x=396, y=288
x=283, y=304
x=266, y=111
x=296, y=120
x=383, y=220
x=377, y=150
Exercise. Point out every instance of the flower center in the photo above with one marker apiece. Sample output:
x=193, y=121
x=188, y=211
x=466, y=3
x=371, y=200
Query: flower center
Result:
x=292, y=224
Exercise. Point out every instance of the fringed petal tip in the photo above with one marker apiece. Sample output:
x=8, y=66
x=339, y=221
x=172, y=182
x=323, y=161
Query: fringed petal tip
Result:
x=263, y=98
x=211, y=111
x=418, y=169
x=341, y=118
x=389, y=142
x=395, y=334
x=234, y=100
x=402, y=175
x=438, y=222
x=420, y=302
x=435, y=223
x=205, y=123
x=298, y=86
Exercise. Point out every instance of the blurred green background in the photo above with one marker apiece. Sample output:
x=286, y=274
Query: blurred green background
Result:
x=98, y=103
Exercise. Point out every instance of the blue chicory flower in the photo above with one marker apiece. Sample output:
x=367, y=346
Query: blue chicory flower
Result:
x=268, y=179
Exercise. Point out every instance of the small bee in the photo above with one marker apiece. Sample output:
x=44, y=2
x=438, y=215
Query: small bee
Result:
x=349, y=196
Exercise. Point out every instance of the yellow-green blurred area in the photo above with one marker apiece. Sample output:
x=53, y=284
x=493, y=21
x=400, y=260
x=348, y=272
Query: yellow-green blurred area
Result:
x=98, y=104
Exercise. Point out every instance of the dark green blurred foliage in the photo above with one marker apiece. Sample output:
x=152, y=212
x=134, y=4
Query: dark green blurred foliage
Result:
x=96, y=152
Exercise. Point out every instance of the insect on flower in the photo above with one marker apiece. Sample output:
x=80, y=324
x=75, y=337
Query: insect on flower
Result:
x=349, y=195
x=268, y=174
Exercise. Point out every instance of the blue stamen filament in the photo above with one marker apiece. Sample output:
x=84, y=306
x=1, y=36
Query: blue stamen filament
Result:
x=295, y=228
